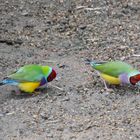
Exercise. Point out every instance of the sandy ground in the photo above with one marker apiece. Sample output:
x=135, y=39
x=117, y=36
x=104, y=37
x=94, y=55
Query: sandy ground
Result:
x=62, y=34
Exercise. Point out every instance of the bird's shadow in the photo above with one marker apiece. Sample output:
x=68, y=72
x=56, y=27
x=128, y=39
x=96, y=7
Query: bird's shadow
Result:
x=45, y=92
x=124, y=89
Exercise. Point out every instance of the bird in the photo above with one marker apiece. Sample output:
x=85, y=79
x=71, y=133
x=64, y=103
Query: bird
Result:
x=116, y=72
x=30, y=77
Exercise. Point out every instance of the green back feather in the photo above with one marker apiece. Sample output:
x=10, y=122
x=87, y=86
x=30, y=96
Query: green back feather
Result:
x=31, y=73
x=46, y=70
x=113, y=68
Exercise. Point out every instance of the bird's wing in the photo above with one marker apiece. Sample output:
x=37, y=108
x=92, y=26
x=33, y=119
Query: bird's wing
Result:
x=113, y=68
x=29, y=73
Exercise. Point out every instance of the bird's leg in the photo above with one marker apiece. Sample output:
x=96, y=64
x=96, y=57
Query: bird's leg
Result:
x=35, y=93
x=138, y=91
x=40, y=90
x=106, y=88
x=16, y=92
x=105, y=84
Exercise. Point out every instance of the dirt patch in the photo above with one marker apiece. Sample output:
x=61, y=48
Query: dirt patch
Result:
x=63, y=34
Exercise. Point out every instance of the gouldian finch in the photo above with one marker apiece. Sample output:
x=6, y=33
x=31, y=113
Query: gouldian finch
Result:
x=30, y=77
x=117, y=72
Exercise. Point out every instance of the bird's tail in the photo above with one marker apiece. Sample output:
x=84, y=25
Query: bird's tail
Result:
x=93, y=62
x=1, y=83
x=7, y=81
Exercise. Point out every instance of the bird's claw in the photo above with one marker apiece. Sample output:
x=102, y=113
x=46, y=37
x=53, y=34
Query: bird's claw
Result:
x=36, y=93
x=109, y=90
x=16, y=92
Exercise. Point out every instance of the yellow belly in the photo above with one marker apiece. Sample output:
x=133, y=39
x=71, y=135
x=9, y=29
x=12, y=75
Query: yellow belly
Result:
x=110, y=79
x=29, y=86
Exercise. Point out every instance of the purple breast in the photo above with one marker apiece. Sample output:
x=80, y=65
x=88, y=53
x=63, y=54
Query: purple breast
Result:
x=43, y=81
x=124, y=78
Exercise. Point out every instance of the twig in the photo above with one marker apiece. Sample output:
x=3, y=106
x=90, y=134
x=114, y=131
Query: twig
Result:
x=53, y=121
x=37, y=118
x=57, y=87
x=88, y=8
x=49, y=61
x=94, y=9
x=80, y=7
x=137, y=55
x=10, y=113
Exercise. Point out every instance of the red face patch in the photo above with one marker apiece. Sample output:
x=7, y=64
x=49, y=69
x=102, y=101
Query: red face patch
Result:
x=51, y=76
x=135, y=79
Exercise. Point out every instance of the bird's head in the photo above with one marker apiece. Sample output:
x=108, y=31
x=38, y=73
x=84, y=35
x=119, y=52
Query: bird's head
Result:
x=135, y=80
x=52, y=75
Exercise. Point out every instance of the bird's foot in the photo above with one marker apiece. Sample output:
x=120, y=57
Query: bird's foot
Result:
x=16, y=92
x=36, y=93
x=109, y=90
